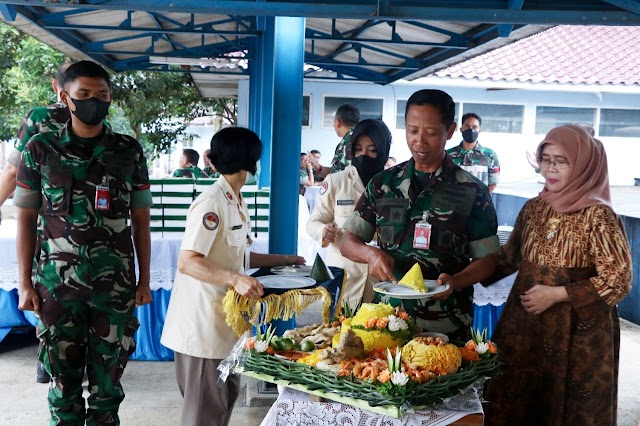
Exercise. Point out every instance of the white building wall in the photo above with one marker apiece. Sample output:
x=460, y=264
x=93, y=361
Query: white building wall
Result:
x=511, y=148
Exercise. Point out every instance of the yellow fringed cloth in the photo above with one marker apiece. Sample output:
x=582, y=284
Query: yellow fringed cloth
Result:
x=243, y=312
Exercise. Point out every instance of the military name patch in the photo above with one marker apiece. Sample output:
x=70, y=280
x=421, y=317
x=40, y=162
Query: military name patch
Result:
x=324, y=187
x=346, y=202
x=210, y=221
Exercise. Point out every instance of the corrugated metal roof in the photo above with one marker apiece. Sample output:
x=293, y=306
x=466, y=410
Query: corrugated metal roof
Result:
x=382, y=42
x=564, y=54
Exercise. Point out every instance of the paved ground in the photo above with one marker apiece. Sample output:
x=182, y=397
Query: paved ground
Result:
x=153, y=398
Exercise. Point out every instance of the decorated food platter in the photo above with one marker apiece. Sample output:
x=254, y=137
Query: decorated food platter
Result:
x=373, y=360
x=399, y=291
x=287, y=282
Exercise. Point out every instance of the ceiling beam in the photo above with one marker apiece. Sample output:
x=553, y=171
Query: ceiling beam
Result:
x=9, y=12
x=150, y=30
x=312, y=34
x=630, y=5
x=548, y=14
x=504, y=30
x=476, y=36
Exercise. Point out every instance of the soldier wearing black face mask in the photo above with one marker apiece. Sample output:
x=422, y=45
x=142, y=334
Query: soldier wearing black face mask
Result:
x=474, y=158
x=339, y=193
x=90, y=189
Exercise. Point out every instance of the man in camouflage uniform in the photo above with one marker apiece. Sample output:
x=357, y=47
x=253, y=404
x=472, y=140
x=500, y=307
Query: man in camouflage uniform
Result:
x=86, y=183
x=474, y=158
x=189, y=165
x=40, y=119
x=428, y=198
x=209, y=170
x=346, y=118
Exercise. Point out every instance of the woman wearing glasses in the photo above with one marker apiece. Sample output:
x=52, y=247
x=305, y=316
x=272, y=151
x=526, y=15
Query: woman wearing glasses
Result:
x=559, y=334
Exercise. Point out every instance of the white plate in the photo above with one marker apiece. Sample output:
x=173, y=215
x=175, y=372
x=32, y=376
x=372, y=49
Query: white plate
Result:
x=287, y=282
x=299, y=270
x=402, y=292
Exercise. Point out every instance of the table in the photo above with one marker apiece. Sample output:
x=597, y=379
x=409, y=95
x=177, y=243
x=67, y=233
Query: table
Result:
x=488, y=303
x=10, y=315
x=294, y=407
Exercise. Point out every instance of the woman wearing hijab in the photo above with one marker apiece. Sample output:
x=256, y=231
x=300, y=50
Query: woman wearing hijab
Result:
x=559, y=334
x=338, y=196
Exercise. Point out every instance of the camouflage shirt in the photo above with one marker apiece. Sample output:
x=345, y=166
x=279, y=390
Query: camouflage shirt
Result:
x=39, y=120
x=193, y=172
x=481, y=162
x=85, y=249
x=463, y=227
x=208, y=170
x=341, y=158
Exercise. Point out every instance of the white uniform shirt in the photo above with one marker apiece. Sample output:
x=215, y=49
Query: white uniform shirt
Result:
x=337, y=199
x=218, y=227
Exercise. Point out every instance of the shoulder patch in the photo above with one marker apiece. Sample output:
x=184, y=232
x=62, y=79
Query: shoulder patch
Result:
x=210, y=221
x=324, y=187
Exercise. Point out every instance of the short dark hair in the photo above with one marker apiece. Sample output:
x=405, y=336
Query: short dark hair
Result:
x=315, y=151
x=302, y=154
x=84, y=69
x=234, y=149
x=471, y=115
x=192, y=156
x=436, y=98
x=62, y=68
x=348, y=114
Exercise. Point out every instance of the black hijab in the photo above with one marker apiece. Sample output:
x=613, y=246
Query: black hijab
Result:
x=381, y=136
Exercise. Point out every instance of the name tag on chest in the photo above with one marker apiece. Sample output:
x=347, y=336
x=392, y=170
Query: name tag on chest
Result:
x=233, y=228
x=346, y=202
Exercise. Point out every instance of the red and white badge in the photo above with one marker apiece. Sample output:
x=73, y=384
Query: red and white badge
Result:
x=210, y=221
x=324, y=187
x=422, y=235
x=102, y=196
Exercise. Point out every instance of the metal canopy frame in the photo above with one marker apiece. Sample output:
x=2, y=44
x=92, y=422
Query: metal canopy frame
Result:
x=378, y=41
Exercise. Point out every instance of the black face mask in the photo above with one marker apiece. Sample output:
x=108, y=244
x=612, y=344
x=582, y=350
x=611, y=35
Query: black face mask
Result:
x=469, y=135
x=367, y=167
x=90, y=111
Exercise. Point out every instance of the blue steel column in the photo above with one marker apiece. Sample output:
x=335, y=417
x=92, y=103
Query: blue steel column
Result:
x=287, y=112
x=254, y=86
x=267, y=57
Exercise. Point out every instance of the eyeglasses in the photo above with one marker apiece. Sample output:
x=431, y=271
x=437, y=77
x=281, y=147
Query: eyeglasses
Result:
x=546, y=163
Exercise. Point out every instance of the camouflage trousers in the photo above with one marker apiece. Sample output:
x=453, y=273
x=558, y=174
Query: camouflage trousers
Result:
x=75, y=334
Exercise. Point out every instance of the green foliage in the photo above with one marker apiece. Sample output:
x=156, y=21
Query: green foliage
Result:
x=26, y=69
x=159, y=105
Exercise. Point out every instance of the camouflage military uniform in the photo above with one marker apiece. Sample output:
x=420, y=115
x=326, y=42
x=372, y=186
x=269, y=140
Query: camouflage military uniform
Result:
x=39, y=120
x=464, y=226
x=341, y=158
x=477, y=156
x=193, y=172
x=85, y=276
x=208, y=170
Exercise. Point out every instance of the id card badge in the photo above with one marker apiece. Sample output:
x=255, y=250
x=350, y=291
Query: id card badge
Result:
x=102, y=196
x=422, y=233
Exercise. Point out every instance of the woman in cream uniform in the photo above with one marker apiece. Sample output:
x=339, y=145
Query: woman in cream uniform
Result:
x=339, y=194
x=211, y=260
